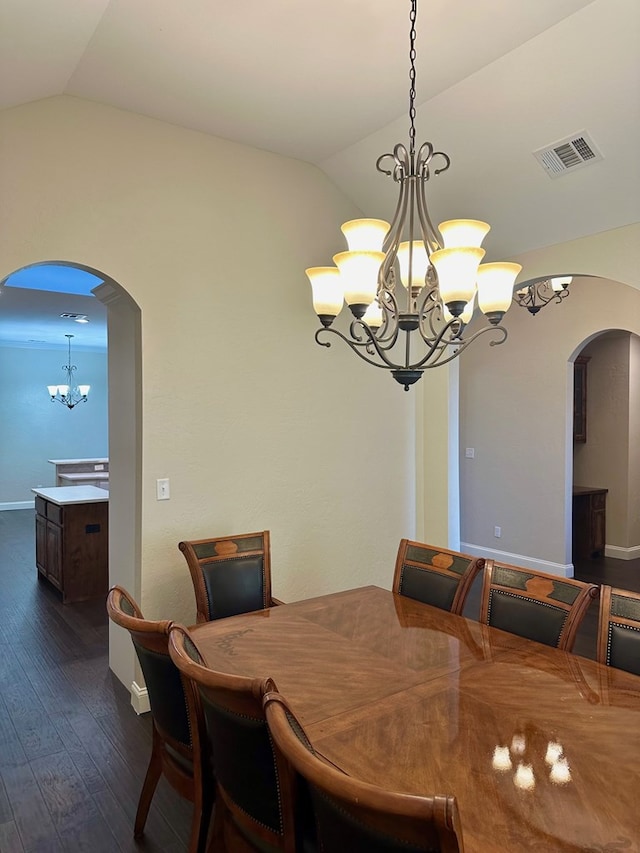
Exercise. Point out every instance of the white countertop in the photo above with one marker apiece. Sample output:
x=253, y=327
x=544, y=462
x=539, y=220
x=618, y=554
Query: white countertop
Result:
x=63, y=495
x=78, y=461
x=78, y=477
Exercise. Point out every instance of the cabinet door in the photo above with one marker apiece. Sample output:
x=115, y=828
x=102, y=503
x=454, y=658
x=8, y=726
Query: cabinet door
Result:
x=54, y=554
x=41, y=544
x=598, y=521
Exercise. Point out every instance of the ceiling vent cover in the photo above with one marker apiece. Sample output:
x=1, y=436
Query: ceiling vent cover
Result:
x=568, y=154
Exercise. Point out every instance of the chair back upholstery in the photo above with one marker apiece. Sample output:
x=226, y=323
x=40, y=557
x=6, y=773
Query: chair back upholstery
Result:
x=164, y=684
x=230, y=574
x=619, y=629
x=244, y=763
x=434, y=575
x=357, y=817
x=539, y=606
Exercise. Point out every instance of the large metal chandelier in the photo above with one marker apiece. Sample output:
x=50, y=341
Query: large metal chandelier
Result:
x=407, y=282
x=69, y=394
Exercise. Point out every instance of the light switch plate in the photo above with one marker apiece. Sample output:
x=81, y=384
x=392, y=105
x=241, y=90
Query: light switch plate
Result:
x=163, y=492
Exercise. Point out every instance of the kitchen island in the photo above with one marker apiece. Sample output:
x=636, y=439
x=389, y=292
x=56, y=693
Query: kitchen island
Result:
x=72, y=540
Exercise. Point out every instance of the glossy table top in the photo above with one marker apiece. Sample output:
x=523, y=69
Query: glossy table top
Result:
x=540, y=747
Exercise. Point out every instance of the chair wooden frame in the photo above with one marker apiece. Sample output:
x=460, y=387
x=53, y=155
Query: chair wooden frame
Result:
x=539, y=588
x=224, y=548
x=409, y=819
x=444, y=560
x=239, y=696
x=609, y=618
x=169, y=756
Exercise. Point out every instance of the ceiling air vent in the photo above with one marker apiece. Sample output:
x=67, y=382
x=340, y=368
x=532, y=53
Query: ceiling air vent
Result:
x=568, y=154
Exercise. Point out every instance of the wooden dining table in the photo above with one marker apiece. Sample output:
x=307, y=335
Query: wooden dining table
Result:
x=540, y=747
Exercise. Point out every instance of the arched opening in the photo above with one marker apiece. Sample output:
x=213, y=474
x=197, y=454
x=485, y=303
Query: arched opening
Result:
x=606, y=503
x=124, y=370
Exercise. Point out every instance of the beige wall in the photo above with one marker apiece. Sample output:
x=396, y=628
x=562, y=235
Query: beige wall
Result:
x=255, y=425
x=516, y=413
x=603, y=460
x=613, y=255
x=633, y=517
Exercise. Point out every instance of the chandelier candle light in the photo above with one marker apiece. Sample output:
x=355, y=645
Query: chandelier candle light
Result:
x=69, y=394
x=407, y=277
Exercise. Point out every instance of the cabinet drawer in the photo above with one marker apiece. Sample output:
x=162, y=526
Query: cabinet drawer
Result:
x=54, y=513
x=41, y=506
x=598, y=501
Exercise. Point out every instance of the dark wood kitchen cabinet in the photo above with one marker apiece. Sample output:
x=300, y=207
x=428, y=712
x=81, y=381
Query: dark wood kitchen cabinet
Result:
x=72, y=540
x=589, y=528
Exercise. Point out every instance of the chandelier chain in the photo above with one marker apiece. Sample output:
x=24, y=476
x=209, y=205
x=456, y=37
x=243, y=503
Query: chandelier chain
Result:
x=412, y=77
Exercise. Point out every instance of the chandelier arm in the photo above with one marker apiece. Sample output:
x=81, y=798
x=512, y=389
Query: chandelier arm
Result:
x=388, y=335
x=461, y=346
x=439, y=342
x=359, y=324
x=429, y=233
x=372, y=341
x=442, y=337
x=358, y=347
x=427, y=312
x=394, y=234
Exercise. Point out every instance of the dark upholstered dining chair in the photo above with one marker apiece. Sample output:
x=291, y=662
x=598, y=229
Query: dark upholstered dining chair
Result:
x=355, y=816
x=230, y=574
x=179, y=748
x=254, y=797
x=619, y=629
x=434, y=575
x=539, y=606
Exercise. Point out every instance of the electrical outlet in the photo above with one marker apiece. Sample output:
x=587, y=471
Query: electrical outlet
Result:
x=497, y=532
x=163, y=492
x=470, y=452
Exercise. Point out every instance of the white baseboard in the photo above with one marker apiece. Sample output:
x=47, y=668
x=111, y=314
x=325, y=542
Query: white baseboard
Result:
x=17, y=505
x=622, y=553
x=561, y=569
x=140, y=699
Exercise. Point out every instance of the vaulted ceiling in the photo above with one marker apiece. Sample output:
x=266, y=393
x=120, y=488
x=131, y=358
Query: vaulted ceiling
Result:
x=327, y=82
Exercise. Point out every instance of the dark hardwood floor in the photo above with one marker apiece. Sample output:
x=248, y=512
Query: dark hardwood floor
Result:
x=73, y=754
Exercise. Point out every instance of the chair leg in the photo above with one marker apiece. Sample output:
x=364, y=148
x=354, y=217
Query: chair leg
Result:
x=216, y=842
x=154, y=771
x=201, y=822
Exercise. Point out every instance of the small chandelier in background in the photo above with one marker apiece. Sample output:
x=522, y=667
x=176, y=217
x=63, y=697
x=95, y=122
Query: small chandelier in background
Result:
x=69, y=394
x=535, y=296
x=406, y=282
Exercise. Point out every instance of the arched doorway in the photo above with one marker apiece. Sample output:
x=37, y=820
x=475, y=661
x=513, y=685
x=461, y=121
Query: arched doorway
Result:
x=124, y=368
x=606, y=503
